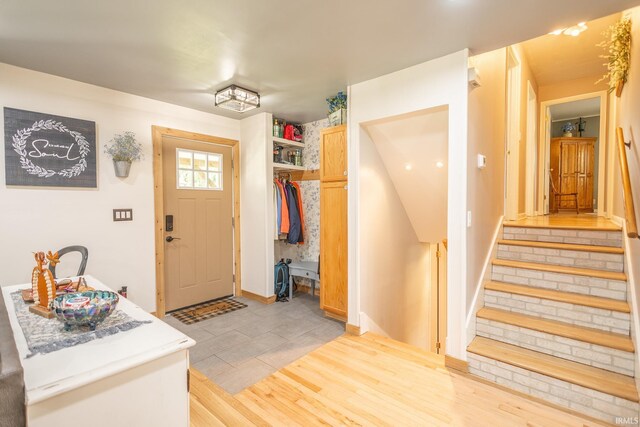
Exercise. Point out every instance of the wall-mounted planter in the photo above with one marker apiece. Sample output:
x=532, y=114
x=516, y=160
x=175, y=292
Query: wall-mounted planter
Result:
x=122, y=168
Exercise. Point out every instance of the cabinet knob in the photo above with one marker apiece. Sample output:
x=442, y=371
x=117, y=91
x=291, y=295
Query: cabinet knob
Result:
x=345, y=173
x=346, y=187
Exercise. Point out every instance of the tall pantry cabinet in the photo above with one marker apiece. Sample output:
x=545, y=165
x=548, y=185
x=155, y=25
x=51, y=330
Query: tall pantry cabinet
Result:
x=333, y=222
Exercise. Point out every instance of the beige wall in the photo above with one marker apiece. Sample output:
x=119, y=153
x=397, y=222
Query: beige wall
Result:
x=395, y=266
x=485, y=196
x=571, y=88
x=629, y=119
x=120, y=253
x=526, y=76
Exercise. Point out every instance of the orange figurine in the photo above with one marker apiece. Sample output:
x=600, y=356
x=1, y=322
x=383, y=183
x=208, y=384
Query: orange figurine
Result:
x=43, y=285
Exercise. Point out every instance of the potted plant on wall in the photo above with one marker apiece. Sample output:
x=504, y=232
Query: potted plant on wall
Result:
x=124, y=150
x=618, y=48
x=337, y=109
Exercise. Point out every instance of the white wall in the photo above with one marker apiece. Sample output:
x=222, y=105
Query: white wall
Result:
x=34, y=219
x=397, y=298
x=485, y=198
x=255, y=202
x=442, y=81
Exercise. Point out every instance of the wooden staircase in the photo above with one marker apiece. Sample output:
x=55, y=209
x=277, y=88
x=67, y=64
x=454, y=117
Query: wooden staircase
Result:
x=556, y=323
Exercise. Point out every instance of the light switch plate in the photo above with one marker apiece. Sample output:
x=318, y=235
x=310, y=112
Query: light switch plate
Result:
x=123, y=214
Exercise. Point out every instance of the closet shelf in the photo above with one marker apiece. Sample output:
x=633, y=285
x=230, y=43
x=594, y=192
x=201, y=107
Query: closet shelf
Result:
x=282, y=141
x=285, y=167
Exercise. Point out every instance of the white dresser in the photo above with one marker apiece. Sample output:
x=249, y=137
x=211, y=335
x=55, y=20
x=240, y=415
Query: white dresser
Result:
x=133, y=378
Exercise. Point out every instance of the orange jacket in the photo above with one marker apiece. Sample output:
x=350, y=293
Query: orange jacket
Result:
x=284, y=222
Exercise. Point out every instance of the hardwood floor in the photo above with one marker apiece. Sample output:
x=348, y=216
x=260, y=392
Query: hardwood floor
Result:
x=371, y=380
x=569, y=221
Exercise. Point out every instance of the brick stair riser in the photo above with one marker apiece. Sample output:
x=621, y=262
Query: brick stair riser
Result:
x=590, y=402
x=579, y=315
x=583, y=259
x=581, y=237
x=594, y=355
x=606, y=288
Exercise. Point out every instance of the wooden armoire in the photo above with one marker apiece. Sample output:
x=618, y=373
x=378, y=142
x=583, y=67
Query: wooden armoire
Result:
x=333, y=222
x=572, y=163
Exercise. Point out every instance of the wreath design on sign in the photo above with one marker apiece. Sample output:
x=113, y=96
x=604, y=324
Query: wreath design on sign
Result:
x=20, y=147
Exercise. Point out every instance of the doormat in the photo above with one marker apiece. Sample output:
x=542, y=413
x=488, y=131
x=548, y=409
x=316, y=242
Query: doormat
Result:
x=207, y=310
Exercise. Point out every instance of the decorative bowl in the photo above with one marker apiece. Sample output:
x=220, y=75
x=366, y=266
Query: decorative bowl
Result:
x=84, y=308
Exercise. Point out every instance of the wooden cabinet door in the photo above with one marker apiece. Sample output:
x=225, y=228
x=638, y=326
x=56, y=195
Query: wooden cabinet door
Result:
x=585, y=160
x=333, y=249
x=333, y=154
x=568, y=173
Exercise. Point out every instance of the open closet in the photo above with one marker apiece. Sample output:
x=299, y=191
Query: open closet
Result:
x=310, y=212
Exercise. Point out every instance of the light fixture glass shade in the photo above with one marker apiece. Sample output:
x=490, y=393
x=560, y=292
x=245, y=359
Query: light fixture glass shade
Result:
x=237, y=99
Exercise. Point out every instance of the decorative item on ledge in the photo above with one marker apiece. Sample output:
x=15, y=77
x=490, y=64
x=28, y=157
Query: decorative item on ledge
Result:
x=124, y=150
x=567, y=129
x=43, y=285
x=337, y=109
x=618, y=48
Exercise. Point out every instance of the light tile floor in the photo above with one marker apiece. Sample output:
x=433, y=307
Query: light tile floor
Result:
x=238, y=349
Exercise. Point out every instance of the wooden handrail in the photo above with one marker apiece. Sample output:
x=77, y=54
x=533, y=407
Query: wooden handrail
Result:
x=629, y=211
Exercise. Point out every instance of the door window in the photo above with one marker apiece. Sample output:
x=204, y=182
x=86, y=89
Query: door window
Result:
x=198, y=170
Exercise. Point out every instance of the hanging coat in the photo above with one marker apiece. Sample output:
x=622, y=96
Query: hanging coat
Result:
x=294, y=216
x=284, y=214
x=300, y=213
x=277, y=207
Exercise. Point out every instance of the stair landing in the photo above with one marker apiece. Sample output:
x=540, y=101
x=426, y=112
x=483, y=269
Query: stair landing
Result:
x=566, y=221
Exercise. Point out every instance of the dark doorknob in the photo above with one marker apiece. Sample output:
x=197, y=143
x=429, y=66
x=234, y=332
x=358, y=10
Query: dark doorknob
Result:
x=171, y=238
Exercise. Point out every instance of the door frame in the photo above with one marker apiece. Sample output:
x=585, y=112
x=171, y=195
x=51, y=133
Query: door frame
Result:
x=605, y=174
x=532, y=160
x=512, y=151
x=157, y=133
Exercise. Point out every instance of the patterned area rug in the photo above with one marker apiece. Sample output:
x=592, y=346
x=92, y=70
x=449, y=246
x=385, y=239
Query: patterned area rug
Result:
x=207, y=310
x=48, y=335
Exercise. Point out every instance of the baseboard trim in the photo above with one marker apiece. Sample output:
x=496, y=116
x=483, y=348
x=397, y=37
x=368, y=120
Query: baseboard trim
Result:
x=486, y=271
x=352, y=329
x=456, y=364
x=259, y=298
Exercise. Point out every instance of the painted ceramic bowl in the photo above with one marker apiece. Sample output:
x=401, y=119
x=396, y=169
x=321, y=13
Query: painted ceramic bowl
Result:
x=84, y=308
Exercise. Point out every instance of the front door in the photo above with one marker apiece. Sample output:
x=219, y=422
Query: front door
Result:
x=198, y=211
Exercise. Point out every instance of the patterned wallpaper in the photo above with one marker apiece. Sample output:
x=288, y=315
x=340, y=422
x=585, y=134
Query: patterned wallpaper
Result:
x=310, y=251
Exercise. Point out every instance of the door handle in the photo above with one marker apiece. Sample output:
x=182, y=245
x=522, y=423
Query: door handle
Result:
x=171, y=239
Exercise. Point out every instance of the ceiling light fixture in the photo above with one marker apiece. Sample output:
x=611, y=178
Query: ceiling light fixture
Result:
x=574, y=31
x=237, y=99
x=439, y=164
x=408, y=167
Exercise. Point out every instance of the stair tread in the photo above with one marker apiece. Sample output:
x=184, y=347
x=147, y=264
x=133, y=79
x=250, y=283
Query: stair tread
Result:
x=598, y=379
x=564, y=224
x=554, y=327
x=560, y=296
x=562, y=246
x=602, y=274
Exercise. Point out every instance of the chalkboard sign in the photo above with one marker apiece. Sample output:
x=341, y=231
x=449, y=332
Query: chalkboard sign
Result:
x=47, y=150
